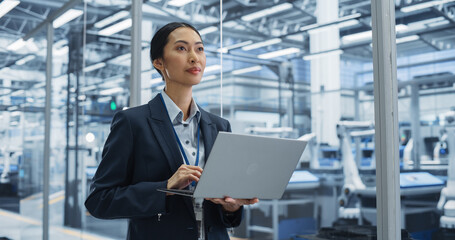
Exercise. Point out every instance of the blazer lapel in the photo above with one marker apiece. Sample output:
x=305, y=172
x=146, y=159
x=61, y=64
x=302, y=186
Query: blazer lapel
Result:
x=209, y=132
x=162, y=128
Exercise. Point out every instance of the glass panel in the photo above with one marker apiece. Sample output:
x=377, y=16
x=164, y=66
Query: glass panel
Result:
x=22, y=100
x=98, y=86
x=425, y=71
x=303, y=69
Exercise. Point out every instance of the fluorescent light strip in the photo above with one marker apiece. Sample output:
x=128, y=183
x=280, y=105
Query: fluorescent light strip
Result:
x=94, y=67
x=116, y=27
x=212, y=68
x=24, y=60
x=322, y=54
x=6, y=6
x=66, y=17
x=368, y=34
x=179, y=3
x=279, y=53
x=87, y=88
x=156, y=81
x=208, y=30
x=18, y=44
x=341, y=22
x=262, y=44
x=407, y=39
x=210, y=77
x=267, y=11
x=247, y=70
x=424, y=5
x=111, y=91
x=355, y=15
x=111, y=19
x=237, y=45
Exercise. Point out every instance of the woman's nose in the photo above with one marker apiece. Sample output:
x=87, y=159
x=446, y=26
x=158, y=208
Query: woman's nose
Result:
x=193, y=57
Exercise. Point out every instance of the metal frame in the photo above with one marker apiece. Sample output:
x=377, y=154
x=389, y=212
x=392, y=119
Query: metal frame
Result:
x=136, y=47
x=47, y=130
x=386, y=120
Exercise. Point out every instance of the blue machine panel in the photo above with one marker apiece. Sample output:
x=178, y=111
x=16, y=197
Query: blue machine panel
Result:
x=419, y=179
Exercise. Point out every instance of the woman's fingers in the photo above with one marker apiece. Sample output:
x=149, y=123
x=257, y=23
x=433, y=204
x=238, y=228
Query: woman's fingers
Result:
x=184, y=176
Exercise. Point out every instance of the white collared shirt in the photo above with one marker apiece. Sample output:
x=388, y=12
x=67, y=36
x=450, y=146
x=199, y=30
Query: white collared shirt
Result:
x=186, y=130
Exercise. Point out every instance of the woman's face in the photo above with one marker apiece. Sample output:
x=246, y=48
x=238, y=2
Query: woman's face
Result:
x=183, y=61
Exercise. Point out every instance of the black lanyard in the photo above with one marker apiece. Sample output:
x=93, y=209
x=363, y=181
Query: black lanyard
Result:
x=178, y=140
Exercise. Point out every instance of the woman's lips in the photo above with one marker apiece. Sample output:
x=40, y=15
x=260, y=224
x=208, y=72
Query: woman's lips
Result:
x=194, y=70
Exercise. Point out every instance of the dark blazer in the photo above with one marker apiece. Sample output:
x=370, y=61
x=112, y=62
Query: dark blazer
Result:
x=139, y=156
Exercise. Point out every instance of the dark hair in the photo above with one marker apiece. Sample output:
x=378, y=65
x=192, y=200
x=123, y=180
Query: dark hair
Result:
x=161, y=38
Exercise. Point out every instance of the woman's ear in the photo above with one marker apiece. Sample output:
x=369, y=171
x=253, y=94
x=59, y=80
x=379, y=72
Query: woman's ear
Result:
x=158, y=64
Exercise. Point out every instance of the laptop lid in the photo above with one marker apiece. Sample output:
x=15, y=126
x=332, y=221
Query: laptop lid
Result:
x=249, y=166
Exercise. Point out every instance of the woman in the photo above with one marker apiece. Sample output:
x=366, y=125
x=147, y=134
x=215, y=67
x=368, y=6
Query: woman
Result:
x=158, y=145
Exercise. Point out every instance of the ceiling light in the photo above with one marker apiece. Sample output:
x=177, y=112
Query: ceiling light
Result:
x=355, y=15
x=66, y=17
x=323, y=54
x=212, y=68
x=90, y=137
x=111, y=19
x=179, y=3
x=87, y=88
x=111, y=91
x=18, y=44
x=247, y=70
x=116, y=27
x=94, y=67
x=279, y=53
x=104, y=99
x=7, y=6
x=208, y=30
x=237, y=45
x=407, y=39
x=348, y=23
x=210, y=77
x=22, y=61
x=361, y=36
x=262, y=44
x=424, y=5
x=266, y=12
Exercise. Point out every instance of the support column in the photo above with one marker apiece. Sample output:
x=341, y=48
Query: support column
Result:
x=47, y=130
x=325, y=107
x=386, y=120
x=136, y=47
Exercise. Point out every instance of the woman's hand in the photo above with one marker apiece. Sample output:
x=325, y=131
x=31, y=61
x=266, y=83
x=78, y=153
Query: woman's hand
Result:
x=230, y=204
x=184, y=176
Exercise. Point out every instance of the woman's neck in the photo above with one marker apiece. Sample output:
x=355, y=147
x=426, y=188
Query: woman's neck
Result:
x=182, y=97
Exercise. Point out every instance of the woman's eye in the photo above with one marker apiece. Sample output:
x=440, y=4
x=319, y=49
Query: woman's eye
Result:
x=201, y=49
x=181, y=48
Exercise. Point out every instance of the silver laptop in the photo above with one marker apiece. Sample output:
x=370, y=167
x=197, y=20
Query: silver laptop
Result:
x=247, y=166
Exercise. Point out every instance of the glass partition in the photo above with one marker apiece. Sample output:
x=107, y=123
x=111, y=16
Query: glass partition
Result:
x=425, y=72
x=295, y=70
x=22, y=136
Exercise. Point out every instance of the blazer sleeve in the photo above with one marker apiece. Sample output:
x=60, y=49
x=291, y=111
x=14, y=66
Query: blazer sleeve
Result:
x=111, y=194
